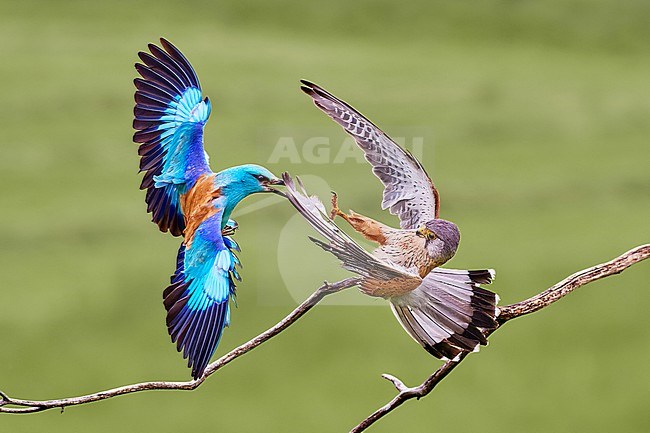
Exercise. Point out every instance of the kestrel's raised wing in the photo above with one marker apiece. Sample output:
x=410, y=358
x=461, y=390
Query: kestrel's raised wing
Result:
x=375, y=273
x=170, y=114
x=408, y=190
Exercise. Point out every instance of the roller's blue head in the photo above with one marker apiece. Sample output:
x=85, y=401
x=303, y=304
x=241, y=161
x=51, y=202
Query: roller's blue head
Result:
x=243, y=180
x=253, y=178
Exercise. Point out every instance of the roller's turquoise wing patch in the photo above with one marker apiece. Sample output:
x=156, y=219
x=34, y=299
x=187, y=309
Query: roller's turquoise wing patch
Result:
x=197, y=301
x=169, y=116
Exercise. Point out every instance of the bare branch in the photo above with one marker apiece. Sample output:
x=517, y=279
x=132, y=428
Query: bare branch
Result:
x=397, y=382
x=509, y=312
x=405, y=393
x=15, y=405
x=569, y=284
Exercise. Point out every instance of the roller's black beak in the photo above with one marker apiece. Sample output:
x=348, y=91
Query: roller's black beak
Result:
x=278, y=182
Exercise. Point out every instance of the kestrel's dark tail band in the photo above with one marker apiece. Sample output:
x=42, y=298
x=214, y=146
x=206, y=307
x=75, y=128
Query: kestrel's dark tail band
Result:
x=448, y=313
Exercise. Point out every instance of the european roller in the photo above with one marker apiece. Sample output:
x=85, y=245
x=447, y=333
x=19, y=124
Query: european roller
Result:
x=445, y=310
x=187, y=199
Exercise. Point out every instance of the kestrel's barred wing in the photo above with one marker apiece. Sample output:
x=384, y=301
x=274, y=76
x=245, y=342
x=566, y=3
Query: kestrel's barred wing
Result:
x=170, y=114
x=408, y=190
x=197, y=298
x=375, y=272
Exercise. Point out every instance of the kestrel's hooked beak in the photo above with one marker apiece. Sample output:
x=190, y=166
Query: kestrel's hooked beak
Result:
x=276, y=181
x=425, y=233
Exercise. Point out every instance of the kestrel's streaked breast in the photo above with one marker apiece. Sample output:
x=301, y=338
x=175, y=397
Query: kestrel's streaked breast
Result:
x=406, y=249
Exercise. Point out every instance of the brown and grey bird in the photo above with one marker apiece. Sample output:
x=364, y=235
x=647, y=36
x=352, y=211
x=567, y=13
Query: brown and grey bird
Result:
x=445, y=310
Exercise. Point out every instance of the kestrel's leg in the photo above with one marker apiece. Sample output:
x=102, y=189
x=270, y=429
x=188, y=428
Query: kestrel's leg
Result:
x=369, y=228
x=335, y=209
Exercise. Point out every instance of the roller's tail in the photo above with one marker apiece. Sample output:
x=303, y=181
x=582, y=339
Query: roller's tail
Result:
x=448, y=312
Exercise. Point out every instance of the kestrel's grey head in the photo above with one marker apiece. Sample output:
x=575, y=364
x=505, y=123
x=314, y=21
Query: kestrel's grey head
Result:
x=442, y=238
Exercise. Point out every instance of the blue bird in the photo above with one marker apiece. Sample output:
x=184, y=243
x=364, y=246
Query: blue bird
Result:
x=187, y=199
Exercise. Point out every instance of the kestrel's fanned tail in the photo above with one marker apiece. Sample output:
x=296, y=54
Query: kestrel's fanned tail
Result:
x=408, y=190
x=197, y=298
x=449, y=311
x=170, y=114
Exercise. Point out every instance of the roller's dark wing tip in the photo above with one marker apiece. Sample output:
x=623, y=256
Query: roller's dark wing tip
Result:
x=167, y=95
x=196, y=328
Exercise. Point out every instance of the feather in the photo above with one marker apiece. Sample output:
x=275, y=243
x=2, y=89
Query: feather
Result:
x=198, y=295
x=353, y=258
x=169, y=116
x=408, y=190
x=448, y=313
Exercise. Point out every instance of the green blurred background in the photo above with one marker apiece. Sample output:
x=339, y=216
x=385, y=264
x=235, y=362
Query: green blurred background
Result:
x=539, y=117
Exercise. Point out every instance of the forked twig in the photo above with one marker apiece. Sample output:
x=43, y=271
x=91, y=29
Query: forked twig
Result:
x=16, y=405
x=509, y=312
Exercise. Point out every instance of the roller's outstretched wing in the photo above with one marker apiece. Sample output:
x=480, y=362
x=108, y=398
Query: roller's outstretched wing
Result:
x=197, y=299
x=408, y=190
x=170, y=113
x=375, y=272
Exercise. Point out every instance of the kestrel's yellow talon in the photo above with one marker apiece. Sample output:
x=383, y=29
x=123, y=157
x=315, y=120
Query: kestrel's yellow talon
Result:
x=335, y=206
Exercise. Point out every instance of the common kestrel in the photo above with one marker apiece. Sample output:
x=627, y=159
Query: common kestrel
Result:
x=445, y=310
